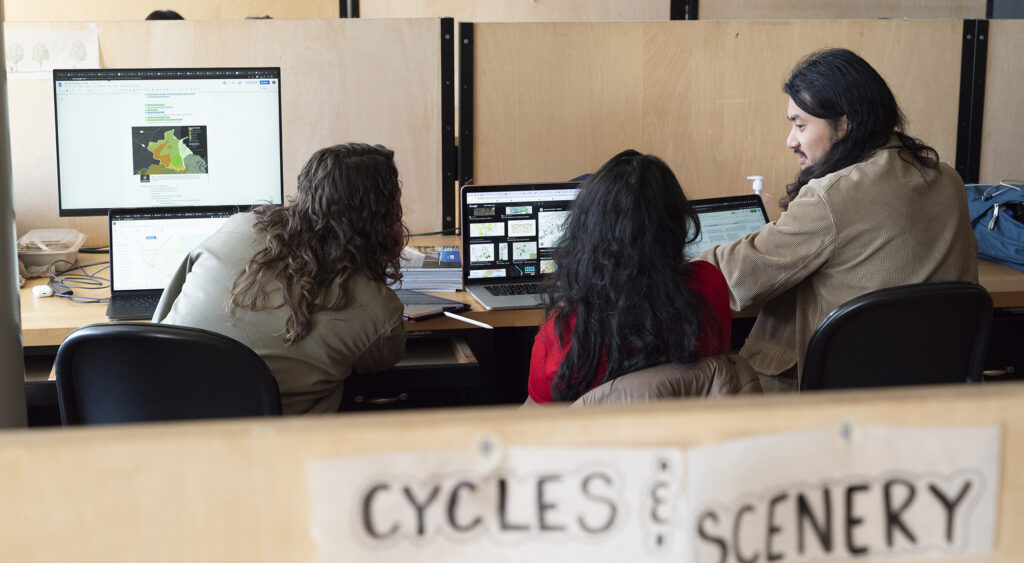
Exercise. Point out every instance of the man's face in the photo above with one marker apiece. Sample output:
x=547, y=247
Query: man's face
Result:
x=811, y=137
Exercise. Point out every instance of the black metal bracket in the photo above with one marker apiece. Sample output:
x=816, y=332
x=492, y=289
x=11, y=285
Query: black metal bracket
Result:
x=683, y=9
x=972, y=99
x=465, y=103
x=447, y=124
x=348, y=8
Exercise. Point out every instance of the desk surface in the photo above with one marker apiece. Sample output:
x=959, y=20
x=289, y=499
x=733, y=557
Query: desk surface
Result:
x=47, y=321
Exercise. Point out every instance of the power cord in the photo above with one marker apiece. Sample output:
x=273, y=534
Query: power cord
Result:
x=451, y=231
x=64, y=282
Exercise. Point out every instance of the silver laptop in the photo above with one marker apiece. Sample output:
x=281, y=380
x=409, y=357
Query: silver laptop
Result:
x=146, y=247
x=509, y=234
x=725, y=219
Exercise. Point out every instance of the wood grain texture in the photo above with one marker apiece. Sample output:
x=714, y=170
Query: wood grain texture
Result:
x=839, y=9
x=554, y=100
x=704, y=96
x=519, y=10
x=714, y=109
x=237, y=490
x=375, y=81
x=1002, y=133
x=112, y=10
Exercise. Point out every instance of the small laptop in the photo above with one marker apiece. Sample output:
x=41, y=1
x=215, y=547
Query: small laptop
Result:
x=509, y=234
x=146, y=247
x=725, y=219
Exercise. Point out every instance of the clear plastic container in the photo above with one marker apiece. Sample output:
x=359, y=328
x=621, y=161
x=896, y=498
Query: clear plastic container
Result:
x=42, y=247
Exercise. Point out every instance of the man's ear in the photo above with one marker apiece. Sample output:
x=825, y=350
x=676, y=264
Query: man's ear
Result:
x=842, y=126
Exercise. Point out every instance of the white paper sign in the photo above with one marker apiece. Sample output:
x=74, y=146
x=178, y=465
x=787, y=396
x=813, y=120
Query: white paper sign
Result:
x=33, y=54
x=828, y=494
x=566, y=504
x=854, y=491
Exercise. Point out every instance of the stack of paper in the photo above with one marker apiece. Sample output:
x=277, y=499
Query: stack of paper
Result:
x=431, y=268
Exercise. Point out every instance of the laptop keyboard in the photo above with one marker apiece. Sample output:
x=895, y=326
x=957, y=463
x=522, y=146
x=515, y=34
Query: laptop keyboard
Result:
x=141, y=306
x=514, y=289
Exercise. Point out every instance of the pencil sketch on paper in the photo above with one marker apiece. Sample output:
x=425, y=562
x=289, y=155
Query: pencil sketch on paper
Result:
x=33, y=54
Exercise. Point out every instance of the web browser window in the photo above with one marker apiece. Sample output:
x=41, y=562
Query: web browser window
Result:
x=167, y=137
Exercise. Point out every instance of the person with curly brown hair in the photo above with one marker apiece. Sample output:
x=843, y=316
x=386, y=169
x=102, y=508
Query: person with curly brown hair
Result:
x=306, y=285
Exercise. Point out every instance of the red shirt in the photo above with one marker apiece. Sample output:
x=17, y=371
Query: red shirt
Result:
x=548, y=354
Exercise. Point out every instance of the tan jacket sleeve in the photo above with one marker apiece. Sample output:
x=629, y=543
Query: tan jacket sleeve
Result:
x=385, y=351
x=173, y=289
x=767, y=263
x=711, y=376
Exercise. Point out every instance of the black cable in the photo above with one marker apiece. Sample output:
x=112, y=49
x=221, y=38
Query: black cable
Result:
x=451, y=231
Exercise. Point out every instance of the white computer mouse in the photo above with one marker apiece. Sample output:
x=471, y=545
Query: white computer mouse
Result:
x=42, y=291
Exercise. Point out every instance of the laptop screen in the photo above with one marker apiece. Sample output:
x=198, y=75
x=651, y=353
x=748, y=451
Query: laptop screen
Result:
x=147, y=245
x=725, y=219
x=512, y=231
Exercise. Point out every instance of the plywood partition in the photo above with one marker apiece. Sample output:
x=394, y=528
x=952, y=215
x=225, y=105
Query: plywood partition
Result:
x=704, y=96
x=1002, y=134
x=518, y=10
x=338, y=81
x=554, y=100
x=715, y=110
x=238, y=490
x=111, y=10
x=839, y=9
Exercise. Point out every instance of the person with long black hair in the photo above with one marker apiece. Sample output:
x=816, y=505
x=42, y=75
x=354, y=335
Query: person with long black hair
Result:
x=872, y=207
x=305, y=285
x=624, y=295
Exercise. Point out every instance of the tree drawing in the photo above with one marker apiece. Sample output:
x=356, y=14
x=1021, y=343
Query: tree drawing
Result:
x=40, y=54
x=14, y=55
x=78, y=52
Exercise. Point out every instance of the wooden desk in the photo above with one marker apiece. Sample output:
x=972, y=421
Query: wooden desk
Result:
x=1004, y=284
x=47, y=321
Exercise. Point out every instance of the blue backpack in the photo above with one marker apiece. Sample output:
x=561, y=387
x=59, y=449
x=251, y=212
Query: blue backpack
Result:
x=997, y=215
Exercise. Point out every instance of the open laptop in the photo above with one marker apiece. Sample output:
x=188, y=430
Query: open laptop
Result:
x=146, y=247
x=725, y=219
x=509, y=233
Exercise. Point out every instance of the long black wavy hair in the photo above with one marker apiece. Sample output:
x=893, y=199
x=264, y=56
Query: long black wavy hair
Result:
x=346, y=219
x=831, y=83
x=622, y=270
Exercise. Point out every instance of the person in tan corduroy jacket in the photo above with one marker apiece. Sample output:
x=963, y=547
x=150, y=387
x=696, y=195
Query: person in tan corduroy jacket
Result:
x=872, y=207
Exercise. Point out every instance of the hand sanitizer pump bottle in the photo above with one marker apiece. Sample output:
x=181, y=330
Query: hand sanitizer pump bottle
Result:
x=758, y=188
x=758, y=183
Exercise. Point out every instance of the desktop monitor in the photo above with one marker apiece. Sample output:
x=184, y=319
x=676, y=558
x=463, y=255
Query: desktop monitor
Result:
x=167, y=137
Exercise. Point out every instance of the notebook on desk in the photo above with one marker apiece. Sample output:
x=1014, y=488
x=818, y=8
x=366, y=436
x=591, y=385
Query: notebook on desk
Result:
x=146, y=247
x=725, y=219
x=509, y=233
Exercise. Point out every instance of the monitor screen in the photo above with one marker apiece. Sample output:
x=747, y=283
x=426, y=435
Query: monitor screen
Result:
x=167, y=137
x=512, y=231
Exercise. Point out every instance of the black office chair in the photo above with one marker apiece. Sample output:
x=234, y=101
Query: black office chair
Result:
x=907, y=335
x=135, y=372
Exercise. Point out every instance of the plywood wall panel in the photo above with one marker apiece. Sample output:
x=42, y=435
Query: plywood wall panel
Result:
x=238, y=491
x=519, y=10
x=134, y=10
x=705, y=96
x=553, y=101
x=839, y=9
x=338, y=82
x=1002, y=134
x=714, y=107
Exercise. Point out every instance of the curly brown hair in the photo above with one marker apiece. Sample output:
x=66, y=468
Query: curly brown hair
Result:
x=346, y=219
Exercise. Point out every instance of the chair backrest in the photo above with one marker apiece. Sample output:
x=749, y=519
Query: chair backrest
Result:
x=134, y=372
x=906, y=335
